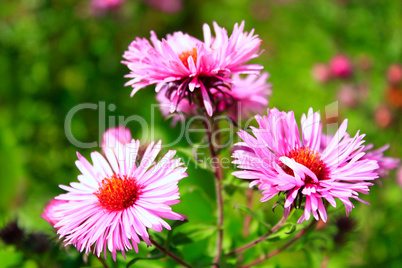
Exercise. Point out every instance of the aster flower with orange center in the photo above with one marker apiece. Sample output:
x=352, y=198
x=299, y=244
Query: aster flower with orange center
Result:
x=279, y=160
x=188, y=68
x=116, y=200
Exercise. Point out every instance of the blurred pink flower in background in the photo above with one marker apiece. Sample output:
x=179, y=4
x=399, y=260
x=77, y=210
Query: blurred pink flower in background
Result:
x=113, y=136
x=394, y=74
x=363, y=91
x=348, y=96
x=383, y=116
x=321, y=72
x=341, y=66
x=189, y=68
x=399, y=176
x=168, y=6
x=278, y=159
x=99, y=7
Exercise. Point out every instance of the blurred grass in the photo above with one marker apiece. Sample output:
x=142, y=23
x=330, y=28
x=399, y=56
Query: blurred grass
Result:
x=54, y=56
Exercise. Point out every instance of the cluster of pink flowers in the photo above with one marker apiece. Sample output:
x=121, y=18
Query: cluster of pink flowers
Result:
x=340, y=66
x=125, y=191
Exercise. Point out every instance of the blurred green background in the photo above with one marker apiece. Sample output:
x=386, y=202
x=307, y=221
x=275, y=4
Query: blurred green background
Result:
x=55, y=55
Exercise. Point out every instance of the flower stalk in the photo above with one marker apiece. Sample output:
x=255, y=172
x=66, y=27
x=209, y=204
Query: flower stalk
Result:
x=260, y=239
x=168, y=253
x=218, y=175
x=282, y=248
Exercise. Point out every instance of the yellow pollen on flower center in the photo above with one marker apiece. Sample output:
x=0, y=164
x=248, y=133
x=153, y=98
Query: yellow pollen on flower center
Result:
x=118, y=192
x=184, y=56
x=310, y=159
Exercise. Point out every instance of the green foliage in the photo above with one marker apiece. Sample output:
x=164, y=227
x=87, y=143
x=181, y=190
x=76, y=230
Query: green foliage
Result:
x=54, y=55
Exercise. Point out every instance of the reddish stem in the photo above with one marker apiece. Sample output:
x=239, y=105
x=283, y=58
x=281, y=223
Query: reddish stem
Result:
x=170, y=254
x=218, y=174
x=279, y=250
x=259, y=240
x=247, y=219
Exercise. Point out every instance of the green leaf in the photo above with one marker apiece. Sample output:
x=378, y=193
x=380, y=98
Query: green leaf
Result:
x=292, y=229
x=154, y=257
x=283, y=232
x=191, y=153
x=193, y=233
x=245, y=209
x=170, y=234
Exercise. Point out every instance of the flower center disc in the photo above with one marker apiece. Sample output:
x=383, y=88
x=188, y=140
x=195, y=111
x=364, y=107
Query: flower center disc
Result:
x=310, y=159
x=118, y=192
x=184, y=56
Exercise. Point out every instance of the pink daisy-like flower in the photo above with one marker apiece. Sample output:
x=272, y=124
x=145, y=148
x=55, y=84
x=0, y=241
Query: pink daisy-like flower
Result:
x=278, y=160
x=115, y=200
x=189, y=68
x=246, y=96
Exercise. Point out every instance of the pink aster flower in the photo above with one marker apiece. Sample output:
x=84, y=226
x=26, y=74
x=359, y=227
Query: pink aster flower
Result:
x=246, y=96
x=189, y=68
x=278, y=160
x=116, y=200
